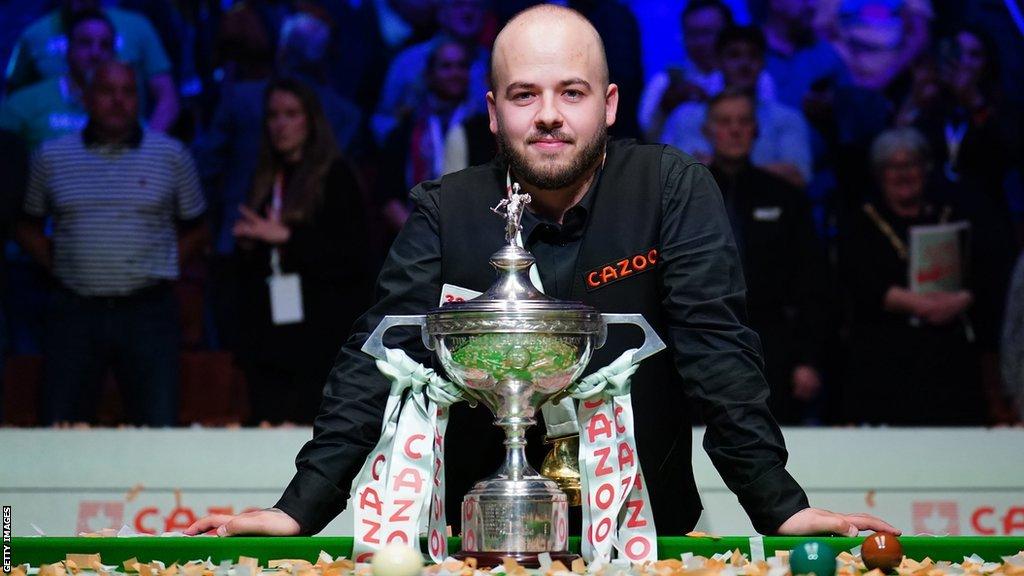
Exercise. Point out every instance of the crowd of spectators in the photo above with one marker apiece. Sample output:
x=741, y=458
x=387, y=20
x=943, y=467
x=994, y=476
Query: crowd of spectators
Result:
x=213, y=176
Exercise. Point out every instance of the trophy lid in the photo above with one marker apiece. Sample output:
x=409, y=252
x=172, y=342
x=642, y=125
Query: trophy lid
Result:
x=513, y=303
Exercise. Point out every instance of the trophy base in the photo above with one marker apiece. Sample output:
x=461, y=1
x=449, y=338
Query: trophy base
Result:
x=515, y=519
x=524, y=559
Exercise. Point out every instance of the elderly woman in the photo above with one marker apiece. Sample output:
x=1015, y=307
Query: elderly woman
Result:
x=914, y=357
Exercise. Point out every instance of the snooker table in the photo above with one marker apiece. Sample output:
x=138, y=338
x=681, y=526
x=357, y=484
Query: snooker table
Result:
x=47, y=550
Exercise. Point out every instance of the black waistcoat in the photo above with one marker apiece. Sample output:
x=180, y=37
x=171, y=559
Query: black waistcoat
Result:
x=624, y=222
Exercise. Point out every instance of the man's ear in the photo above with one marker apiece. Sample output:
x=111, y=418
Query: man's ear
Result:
x=611, y=104
x=492, y=113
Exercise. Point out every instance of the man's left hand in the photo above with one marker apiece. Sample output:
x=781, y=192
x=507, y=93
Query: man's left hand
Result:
x=811, y=521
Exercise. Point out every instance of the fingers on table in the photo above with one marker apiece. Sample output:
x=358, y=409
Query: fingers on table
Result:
x=839, y=524
x=253, y=523
x=208, y=523
x=874, y=523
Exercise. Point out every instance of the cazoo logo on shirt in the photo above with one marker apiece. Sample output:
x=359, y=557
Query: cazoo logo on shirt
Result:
x=620, y=269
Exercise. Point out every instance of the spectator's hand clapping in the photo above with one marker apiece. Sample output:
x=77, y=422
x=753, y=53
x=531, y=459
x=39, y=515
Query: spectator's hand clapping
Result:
x=255, y=227
x=940, y=308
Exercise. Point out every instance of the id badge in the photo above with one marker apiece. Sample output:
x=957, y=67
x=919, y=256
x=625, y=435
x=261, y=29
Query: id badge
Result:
x=285, y=299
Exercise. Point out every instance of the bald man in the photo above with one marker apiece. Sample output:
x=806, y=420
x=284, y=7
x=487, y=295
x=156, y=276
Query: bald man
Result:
x=126, y=208
x=596, y=204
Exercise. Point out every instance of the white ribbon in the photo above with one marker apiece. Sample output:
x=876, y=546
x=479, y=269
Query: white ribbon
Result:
x=403, y=478
x=437, y=533
x=617, y=511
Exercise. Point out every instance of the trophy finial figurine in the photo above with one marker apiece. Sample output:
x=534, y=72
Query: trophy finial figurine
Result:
x=511, y=209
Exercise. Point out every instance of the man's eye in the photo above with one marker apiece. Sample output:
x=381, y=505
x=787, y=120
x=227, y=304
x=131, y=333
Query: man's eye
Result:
x=521, y=96
x=573, y=95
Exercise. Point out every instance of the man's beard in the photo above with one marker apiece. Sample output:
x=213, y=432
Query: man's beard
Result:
x=546, y=176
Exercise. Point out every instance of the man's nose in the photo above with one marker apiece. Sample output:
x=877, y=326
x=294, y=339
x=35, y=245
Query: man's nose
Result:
x=549, y=115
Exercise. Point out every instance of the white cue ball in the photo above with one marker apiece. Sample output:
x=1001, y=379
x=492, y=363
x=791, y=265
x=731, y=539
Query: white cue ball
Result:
x=397, y=560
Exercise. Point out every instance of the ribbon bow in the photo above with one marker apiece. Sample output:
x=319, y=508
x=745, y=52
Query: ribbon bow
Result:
x=402, y=480
x=608, y=382
x=406, y=373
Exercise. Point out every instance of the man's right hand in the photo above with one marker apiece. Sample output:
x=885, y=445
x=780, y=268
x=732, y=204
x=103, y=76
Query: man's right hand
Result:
x=269, y=522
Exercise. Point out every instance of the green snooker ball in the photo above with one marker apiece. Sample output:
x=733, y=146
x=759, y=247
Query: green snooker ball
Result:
x=812, y=557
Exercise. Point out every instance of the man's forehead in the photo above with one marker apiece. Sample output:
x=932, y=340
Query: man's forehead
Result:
x=731, y=107
x=535, y=57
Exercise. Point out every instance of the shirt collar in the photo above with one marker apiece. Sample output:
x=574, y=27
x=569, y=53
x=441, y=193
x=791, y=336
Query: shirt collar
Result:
x=91, y=138
x=536, y=228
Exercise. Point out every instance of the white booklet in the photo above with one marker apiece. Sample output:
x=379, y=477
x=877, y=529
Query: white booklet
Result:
x=938, y=257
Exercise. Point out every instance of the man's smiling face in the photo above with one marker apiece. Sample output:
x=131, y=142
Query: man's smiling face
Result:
x=551, y=103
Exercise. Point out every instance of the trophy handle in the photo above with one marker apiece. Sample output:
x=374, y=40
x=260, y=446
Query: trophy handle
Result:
x=374, y=345
x=652, y=342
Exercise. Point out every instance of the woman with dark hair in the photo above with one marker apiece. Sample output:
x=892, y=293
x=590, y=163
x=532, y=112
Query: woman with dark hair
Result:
x=302, y=249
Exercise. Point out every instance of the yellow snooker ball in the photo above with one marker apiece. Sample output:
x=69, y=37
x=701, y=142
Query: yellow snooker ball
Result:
x=397, y=559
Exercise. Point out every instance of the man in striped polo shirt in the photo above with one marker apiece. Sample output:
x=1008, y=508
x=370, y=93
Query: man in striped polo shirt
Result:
x=126, y=205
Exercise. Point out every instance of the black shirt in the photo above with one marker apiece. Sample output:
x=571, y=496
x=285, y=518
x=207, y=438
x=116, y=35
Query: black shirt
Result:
x=711, y=348
x=785, y=271
x=555, y=246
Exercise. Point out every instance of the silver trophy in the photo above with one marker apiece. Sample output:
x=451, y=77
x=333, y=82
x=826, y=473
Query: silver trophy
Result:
x=514, y=348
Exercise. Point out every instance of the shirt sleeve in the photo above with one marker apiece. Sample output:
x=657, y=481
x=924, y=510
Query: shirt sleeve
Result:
x=716, y=354
x=21, y=70
x=189, y=201
x=12, y=116
x=794, y=140
x=650, y=116
x=349, y=422
x=37, y=195
x=682, y=129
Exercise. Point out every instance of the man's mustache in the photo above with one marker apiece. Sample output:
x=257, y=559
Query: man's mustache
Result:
x=556, y=135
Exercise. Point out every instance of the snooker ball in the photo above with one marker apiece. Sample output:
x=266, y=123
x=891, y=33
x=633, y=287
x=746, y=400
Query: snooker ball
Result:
x=812, y=557
x=881, y=551
x=397, y=559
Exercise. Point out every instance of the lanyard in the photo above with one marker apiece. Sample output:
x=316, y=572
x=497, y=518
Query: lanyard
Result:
x=954, y=138
x=437, y=142
x=276, y=202
x=897, y=243
x=277, y=198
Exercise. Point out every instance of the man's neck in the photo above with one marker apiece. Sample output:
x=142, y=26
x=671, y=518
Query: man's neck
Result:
x=730, y=167
x=906, y=209
x=75, y=83
x=441, y=106
x=111, y=137
x=704, y=67
x=553, y=204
